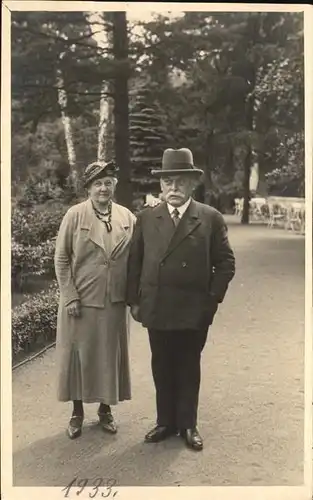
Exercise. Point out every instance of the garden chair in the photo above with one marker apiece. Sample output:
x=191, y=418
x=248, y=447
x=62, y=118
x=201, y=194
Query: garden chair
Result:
x=296, y=217
x=256, y=208
x=238, y=206
x=277, y=214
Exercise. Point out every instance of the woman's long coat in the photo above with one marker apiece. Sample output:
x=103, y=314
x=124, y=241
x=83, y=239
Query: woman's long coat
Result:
x=91, y=265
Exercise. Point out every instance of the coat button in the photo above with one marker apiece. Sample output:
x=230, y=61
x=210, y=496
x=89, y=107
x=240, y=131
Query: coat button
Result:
x=161, y=263
x=184, y=264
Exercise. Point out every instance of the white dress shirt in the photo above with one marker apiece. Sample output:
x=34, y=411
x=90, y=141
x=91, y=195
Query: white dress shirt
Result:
x=182, y=209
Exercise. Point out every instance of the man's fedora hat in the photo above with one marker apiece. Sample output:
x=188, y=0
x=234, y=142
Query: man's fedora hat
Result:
x=177, y=161
x=99, y=169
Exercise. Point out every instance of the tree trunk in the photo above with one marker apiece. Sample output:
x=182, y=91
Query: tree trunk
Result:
x=68, y=133
x=103, y=120
x=251, y=69
x=106, y=125
x=209, y=157
x=248, y=158
x=121, y=112
x=106, y=116
x=109, y=137
x=246, y=187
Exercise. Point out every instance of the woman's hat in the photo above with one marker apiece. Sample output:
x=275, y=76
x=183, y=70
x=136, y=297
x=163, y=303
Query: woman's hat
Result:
x=177, y=161
x=99, y=169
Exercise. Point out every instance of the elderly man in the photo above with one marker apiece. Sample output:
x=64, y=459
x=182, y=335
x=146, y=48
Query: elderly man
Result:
x=179, y=268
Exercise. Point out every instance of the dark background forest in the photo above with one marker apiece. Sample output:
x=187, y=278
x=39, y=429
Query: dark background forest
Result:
x=227, y=85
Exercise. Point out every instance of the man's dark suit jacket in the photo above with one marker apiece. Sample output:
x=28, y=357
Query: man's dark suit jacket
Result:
x=179, y=277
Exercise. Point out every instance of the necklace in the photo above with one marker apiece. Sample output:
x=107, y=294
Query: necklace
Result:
x=105, y=217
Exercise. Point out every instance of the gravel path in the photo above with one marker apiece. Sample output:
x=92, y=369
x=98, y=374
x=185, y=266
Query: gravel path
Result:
x=251, y=405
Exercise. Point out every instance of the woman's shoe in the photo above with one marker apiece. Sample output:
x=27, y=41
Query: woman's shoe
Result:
x=74, y=428
x=107, y=422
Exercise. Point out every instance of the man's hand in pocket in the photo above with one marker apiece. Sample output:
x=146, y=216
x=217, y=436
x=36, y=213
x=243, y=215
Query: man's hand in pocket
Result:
x=135, y=312
x=212, y=308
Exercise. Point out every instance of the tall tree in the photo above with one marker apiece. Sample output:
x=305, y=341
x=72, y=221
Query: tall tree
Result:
x=148, y=139
x=44, y=48
x=57, y=71
x=121, y=112
x=106, y=108
x=239, y=51
x=68, y=131
x=106, y=124
x=230, y=85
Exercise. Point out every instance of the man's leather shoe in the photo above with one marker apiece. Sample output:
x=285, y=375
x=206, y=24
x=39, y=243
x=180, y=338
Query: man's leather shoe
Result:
x=74, y=428
x=193, y=439
x=159, y=433
x=107, y=423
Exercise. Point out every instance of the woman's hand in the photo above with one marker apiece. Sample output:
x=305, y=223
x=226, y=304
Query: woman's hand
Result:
x=74, y=309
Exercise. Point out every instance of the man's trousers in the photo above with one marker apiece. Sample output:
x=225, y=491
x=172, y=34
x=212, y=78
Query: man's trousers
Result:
x=176, y=357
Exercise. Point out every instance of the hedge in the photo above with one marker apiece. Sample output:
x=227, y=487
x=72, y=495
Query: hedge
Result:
x=34, y=321
x=41, y=224
x=31, y=260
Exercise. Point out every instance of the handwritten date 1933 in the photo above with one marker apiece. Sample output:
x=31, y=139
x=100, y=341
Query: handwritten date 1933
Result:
x=99, y=487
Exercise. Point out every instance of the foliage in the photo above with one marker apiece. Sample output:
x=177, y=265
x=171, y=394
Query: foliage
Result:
x=38, y=225
x=38, y=152
x=288, y=179
x=35, y=320
x=225, y=84
x=58, y=70
x=44, y=42
x=40, y=162
x=33, y=241
x=29, y=261
x=37, y=190
x=241, y=74
x=148, y=138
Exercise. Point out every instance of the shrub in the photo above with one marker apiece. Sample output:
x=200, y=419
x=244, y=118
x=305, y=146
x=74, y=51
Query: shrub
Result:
x=31, y=260
x=31, y=227
x=37, y=189
x=45, y=187
x=34, y=321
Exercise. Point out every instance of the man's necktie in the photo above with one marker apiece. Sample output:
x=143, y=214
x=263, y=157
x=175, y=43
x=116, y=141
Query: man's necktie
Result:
x=175, y=217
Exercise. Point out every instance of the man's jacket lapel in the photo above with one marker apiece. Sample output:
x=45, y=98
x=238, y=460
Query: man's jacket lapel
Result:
x=164, y=226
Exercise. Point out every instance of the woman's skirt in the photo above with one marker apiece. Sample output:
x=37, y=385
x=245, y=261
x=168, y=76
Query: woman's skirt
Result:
x=93, y=355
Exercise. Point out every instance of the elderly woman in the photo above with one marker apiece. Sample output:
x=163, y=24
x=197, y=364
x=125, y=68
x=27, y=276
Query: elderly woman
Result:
x=92, y=330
